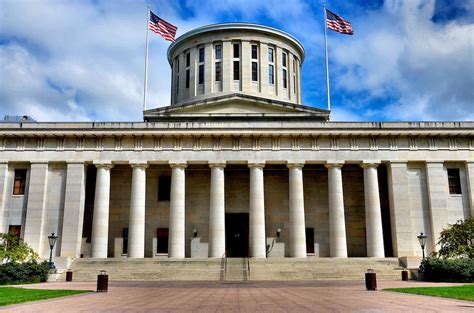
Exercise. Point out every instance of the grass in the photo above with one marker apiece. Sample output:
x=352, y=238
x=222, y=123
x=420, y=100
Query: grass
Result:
x=465, y=292
x=11, y=295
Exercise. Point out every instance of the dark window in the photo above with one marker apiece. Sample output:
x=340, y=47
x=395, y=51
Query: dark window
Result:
x=187, y=78
x=254, y=71
x=188, y=59
x=218, y=50
x=236, y=70
x=254, y=52
x=283, y=59
x=125, y=241
x=294, y=84
x=177, y=84
x=201, y=74
x=270, y=55
x=177, y=65
x=284, y=79
x=162, y=240
x=14, y=230
x=271, y=79
x=164, y=188
x=201, y=55
x=236, y=50
x=309, y=240
x=20, y=182
x=454, y=181
x=218, y=72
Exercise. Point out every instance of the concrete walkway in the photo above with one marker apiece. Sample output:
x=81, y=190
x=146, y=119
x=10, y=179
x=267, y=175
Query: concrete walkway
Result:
x=307, y=296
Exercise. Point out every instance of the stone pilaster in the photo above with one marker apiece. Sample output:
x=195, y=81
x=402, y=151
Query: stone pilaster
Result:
x=100, y=219
x=297, y=219
x=3, y=197
x=257, y=211
x=470, y=185
x=337, y=221
x=73, y=219
x=217, y=211
x=177, y=211
x=373, y=214
x=136, y=228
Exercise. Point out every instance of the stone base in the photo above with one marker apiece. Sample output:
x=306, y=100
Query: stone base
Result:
x=410, y=262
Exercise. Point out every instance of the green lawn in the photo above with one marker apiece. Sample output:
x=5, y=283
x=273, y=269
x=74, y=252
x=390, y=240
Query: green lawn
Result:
x=465, y=292
x=11, y=295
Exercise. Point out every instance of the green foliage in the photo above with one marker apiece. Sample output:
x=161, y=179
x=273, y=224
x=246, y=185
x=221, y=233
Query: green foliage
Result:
x=465, y=292
x=14, y=249
x=10, y=295
x=457, y=240
x=23, y=273
x=448, y=270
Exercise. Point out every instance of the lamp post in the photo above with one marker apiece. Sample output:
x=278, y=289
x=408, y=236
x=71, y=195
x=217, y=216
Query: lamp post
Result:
x=422, y=240
x=52, y=241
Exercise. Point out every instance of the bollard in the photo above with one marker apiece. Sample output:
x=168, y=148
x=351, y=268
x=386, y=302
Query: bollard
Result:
x=370, y=280
x=102, y=281
x=405, y=275
x=69, y=276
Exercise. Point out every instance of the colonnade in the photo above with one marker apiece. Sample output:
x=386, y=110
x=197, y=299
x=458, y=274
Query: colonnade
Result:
x=257, y=236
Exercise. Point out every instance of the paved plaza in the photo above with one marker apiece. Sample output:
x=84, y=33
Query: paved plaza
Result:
x=308, y=296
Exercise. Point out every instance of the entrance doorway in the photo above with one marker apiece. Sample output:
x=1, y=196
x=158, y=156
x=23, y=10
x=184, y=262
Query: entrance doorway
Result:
x=237, y=235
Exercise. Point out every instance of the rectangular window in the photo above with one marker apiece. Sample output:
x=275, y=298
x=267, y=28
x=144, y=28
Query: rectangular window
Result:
x=254, y=52
x=218, y=72
x=236, y=70
x=218, y=50
x=201, y=55
x=283, y=59
x=454, y=181
x=14, y=230
x=236, y=50
x=270, y=55
x=201, y=74
x=19, y=182
x=164, y=188
x=310, y=240
x=271, y=79
x=188, y=59
x=284, y=78
x=177, y=65
x=187, y=78
x=254, y=71
x=162, y=240
x=125, y=241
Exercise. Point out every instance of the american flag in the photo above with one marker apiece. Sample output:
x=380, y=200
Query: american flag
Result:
x=162, y=27
x=336, y=23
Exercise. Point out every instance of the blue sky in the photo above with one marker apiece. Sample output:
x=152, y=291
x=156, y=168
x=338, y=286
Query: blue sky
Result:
x=83, y=60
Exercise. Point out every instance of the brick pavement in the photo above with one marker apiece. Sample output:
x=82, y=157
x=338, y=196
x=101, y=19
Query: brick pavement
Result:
x=307, y=296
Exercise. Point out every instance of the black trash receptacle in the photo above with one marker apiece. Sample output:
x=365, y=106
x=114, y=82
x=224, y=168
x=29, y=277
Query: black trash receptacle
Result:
x=370, y=280
x=102, y=282
x=69, y=276
x=405, y=275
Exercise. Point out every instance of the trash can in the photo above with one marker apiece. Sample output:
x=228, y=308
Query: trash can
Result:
x=102, y=282
x=69, y=276
x=405, y=275
x=370, y=280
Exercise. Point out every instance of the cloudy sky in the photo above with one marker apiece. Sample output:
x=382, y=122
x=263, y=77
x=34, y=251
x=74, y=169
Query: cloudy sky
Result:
x=81, y=60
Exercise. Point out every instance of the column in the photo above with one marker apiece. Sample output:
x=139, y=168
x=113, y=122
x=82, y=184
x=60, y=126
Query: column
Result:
x=3, y=197
x=73, y=219
x=373, y=214
x=337, y=222
x=217, y=212
x=100, y=219
x=437, y=181
x=136, y=227
x=35, y=234
x=297, y=222
x=246, y=66
x=470, y=185
x=257, y=244
x=177, y=212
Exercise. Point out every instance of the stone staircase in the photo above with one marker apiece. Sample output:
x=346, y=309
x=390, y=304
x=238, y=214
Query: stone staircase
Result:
x=236, y=269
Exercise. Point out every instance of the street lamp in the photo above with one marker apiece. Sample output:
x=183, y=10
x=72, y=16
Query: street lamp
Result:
x=52, y=241
x=422, y=240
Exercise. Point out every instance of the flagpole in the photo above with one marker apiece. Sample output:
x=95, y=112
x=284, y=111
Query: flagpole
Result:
x=327, y=64
x=145, y=85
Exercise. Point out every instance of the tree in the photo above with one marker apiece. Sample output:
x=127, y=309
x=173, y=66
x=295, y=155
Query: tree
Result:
x=457, y=241
x=14, y=249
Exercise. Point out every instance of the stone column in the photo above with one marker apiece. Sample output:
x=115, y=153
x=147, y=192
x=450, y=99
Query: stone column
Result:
x=35, y=234
x=337, y=221
x=3, y=196
x=177, y=211
x=373, y=214
x=437, y=181
x=297, y=221
x=100, y=219
x=136, y=228
x=470, y=185
x=257, y=244
x=217, y=212
x=73, y=219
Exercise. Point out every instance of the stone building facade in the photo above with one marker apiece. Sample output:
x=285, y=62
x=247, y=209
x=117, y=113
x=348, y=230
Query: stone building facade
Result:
x=235, y=166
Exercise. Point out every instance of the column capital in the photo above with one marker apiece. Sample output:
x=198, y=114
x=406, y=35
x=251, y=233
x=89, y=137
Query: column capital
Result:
x=218, y=164
x=103, y=164
x=39, y=162
x=138, y=164
x=75, y=162
x=334, y=164
x=291, y=165
x=256, y=164
x=369, y=164
x=178, y=164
